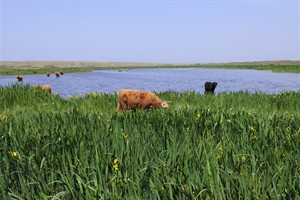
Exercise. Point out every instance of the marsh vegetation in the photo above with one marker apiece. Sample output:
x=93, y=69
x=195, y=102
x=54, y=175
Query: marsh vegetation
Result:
x=228, y=146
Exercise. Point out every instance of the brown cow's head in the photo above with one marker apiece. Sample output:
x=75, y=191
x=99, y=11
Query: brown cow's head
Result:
x=164, y=104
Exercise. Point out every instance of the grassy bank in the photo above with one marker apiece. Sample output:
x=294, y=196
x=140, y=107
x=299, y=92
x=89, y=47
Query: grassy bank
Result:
x=229, y=146
x=30, y=70
x=26, y=70
x=274, y=68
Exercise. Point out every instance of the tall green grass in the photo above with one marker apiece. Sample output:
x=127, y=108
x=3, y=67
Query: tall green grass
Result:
x=225, y=146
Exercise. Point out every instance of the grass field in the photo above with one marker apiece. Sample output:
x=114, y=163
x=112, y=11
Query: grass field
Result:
x=225, y=146
x=274, y=68
x=29, y=70
x=26, y=68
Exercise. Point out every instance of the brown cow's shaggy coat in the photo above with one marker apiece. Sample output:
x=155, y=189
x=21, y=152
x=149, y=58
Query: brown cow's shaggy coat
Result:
x=57, y=74
x=46, y=88
x=133, y=99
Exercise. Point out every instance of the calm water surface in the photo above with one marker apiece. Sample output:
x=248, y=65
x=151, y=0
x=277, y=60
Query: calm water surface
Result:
x=109, y=81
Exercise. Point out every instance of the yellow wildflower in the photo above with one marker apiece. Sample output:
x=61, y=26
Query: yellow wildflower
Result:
x=251, y=128
x=100, y=114
x=243, y=159
x=116, y=164
x=221, y=150
x=228, y=120
x=125, y=135
x=219, y=154
x=3, y=118
x=14, y=154
x=254, y=137
x=116, y=161
x=116, y=167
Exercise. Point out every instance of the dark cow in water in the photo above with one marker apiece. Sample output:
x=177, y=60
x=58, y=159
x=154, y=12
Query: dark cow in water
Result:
x=210, y=87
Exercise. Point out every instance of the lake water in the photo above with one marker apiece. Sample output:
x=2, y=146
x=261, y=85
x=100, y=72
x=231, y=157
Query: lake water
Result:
x=158, y=80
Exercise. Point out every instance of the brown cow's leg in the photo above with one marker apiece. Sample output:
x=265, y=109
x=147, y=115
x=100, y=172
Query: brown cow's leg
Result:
x=119, y=107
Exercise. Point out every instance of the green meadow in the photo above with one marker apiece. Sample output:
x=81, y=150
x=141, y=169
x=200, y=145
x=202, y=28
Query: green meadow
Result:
x=228, y=146
x=28, y=69
x=273, y=68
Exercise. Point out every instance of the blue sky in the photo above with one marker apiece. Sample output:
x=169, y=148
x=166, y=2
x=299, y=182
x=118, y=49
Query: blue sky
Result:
x=150, y=31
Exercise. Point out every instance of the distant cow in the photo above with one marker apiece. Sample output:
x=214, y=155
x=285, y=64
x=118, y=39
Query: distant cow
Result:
x=57, y=74
x=19, y=77
x=61, y=73
x=210, y=87
x=46, y=88
x=48, y=74
x=133, y=99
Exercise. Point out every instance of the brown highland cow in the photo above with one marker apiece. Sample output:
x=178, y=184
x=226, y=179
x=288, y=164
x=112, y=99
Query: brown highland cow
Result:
x=133, y=99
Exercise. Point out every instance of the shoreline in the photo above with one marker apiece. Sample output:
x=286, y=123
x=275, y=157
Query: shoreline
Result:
x=41, y=67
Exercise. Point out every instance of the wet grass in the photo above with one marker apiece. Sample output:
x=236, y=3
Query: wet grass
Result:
x=226, y=146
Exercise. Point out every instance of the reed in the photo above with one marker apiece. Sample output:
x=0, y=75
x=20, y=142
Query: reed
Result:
x=227, y=146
